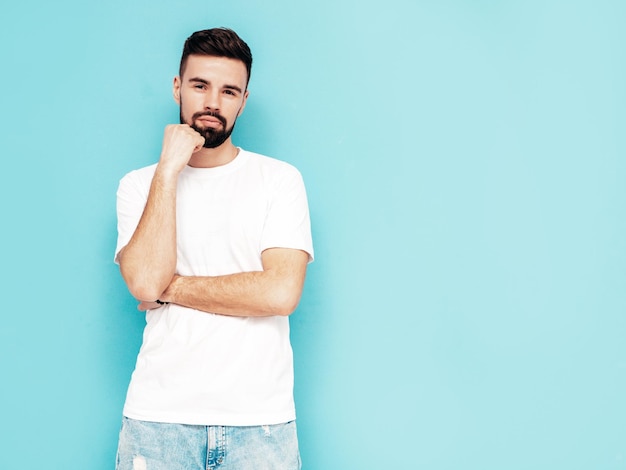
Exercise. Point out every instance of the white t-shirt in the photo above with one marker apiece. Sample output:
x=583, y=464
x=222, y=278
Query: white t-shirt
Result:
x=201, y=368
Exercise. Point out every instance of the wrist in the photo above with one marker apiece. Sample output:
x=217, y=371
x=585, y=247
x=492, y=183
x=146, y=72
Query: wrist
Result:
x=167, y=172
x=169, y=295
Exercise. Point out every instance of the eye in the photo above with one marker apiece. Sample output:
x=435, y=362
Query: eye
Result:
x=230, y=92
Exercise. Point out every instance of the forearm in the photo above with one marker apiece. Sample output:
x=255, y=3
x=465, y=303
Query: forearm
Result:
x=250, y=294
x=148, y=261
x=274, y=291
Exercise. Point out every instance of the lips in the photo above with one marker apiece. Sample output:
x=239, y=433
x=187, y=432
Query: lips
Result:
x=209, y=121
x=209, y=117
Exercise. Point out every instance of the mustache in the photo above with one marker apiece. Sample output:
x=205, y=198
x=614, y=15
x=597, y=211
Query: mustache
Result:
x=214, y=114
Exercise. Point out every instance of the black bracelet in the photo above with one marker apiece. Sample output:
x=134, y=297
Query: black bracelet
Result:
x=161, y=303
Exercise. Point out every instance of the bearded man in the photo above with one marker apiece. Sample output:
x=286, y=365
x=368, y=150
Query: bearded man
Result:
x=213, y=241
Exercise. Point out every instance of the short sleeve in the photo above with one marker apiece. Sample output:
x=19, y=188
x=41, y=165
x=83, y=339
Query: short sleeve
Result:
x=132, y=194
x=288, y=224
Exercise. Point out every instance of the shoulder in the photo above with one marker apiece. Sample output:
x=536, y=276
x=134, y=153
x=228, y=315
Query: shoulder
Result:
x=147, y=172
x=279, y=179
x=137, y=180
x=271, y=165
x=140, y=175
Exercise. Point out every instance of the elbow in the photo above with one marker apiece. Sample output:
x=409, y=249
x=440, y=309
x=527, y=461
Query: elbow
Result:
x=285, y=301
x=142, y=289
x=144, y=293
x=144, y=282
x=283, y=310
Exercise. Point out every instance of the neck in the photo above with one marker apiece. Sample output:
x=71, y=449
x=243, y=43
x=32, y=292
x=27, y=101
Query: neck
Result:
x=211, y=158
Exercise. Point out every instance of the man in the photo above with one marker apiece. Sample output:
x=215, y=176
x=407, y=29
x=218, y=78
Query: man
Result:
x=214, y=242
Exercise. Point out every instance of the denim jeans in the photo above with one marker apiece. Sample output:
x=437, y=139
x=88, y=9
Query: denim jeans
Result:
x=162, y=446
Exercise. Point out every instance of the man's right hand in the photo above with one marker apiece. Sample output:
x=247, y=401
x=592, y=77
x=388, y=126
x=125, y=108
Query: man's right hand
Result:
x=180, y=141
x=148, y=261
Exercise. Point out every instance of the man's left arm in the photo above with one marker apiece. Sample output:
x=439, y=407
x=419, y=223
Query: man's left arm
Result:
x=275, y=290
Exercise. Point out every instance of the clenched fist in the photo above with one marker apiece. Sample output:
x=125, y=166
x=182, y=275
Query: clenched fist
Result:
x=179, y=142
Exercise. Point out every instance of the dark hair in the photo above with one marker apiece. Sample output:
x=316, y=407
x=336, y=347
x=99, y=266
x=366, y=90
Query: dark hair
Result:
x=219, y=42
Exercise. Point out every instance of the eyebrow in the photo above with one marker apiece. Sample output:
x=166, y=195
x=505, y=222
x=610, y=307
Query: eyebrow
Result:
x=206, y=82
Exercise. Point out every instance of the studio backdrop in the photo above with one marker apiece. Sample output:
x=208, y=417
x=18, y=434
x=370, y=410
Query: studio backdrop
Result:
x=465, y=165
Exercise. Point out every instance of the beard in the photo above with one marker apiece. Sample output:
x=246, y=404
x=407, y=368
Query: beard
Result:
x=212, y=137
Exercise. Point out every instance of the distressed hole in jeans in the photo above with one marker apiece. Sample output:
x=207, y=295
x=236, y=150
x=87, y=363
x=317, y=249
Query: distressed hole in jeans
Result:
x=139, y=463
x=267, y=431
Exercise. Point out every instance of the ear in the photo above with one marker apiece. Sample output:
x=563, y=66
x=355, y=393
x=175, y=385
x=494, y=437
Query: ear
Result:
x=176, y=89
x=243, y=105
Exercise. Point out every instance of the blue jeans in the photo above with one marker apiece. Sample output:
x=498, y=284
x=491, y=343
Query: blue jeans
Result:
x=162, y=446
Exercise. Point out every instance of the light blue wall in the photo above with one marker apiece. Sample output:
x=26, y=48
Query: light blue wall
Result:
x=465, y=164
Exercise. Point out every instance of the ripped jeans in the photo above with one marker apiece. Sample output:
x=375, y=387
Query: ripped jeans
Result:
x=162, y=446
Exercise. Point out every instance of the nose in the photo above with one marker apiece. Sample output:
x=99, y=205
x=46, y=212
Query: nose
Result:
x=212, y=100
